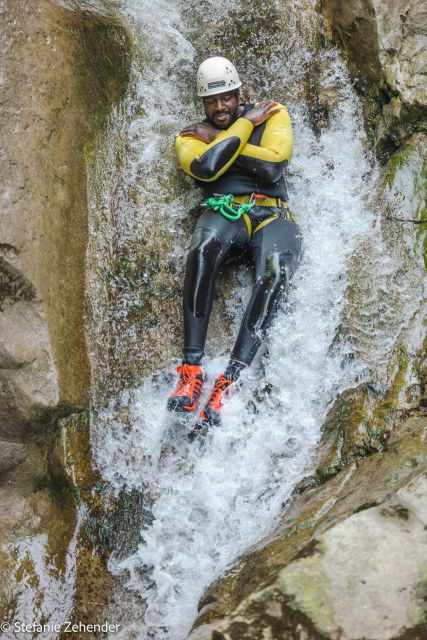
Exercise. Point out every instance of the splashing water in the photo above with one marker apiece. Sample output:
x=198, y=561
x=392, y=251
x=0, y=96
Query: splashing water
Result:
x=212, y=503
x=45, y=595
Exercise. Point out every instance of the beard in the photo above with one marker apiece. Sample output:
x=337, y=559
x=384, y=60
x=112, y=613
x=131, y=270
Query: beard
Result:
x=224, y=125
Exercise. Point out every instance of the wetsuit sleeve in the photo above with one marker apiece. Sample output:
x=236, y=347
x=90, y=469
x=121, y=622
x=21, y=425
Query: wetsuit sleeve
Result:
x=269, y=160
x=207, y=162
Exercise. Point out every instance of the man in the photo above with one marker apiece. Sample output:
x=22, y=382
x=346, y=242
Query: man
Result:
x=238, y=156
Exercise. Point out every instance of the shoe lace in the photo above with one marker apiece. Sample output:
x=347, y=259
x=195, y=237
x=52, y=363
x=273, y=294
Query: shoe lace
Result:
x=188, y=382
x=220, y=385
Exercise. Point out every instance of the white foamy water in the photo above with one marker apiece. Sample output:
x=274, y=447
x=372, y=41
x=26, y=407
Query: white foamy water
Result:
x=45, y=592
x=212, y=503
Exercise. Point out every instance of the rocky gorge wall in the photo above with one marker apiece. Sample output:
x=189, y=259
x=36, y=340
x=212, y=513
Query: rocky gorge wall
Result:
x=62, y=70
x=63, y=65
x=384, y=44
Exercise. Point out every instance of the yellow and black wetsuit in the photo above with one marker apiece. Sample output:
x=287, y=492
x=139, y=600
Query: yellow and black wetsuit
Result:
x=242, y=160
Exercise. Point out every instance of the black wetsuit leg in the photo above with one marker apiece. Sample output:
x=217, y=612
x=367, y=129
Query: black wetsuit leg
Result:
x=274, y=250
x=213, y=239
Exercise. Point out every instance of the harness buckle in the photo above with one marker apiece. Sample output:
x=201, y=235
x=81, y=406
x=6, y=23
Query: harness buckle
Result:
x=256, y=196
x=284, y=213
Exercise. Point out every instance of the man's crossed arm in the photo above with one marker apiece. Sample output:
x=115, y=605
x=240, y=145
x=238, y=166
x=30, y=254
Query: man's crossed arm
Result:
x=205, y=152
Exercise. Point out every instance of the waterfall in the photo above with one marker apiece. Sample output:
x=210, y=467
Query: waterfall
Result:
x=212, y=503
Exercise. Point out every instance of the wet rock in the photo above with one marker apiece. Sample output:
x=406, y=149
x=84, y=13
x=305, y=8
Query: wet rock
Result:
x=26, y=361
x=11, y=455
x=63, y=65
x=59, y=525
x=373, y=444
x=367, y=578
x=110, y=525
x=344, y=440
x=384, y=43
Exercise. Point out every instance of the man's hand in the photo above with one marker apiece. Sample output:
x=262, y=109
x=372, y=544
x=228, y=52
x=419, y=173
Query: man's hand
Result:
x=262, y=112
x=203, y=131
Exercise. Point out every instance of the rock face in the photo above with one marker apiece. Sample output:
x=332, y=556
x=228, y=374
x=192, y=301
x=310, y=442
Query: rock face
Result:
x=61, y=71
x=347, y=562
x=63, y=65
x=372, y=562
x=384, y=43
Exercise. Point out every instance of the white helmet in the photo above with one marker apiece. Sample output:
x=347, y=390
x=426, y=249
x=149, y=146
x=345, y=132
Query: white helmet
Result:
x=217, y=75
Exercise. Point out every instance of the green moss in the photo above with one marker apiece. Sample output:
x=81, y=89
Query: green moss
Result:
x=397, y=162
x=365, y=506
x=345, y=438
x=302, y=526
x=309, y=589
x=420, y=189
x=359, y=423
x=419, y=617
x=384, y=413
x=104, y=69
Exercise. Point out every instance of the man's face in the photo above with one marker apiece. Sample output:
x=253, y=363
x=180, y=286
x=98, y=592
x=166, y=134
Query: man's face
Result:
x=221, y=108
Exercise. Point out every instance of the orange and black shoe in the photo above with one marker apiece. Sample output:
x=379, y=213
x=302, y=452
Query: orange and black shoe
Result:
x=187, y=393
x=211, y=414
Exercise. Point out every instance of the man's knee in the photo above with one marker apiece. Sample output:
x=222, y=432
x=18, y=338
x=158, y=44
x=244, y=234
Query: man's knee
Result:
x=274, y=272
x=270, y=286
x=205, y=245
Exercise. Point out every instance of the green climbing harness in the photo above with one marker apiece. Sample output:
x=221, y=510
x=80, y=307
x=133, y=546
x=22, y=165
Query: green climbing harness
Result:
x=223, y=204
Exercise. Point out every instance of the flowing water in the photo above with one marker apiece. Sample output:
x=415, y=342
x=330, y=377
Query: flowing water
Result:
x=211, y=503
